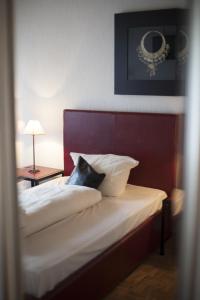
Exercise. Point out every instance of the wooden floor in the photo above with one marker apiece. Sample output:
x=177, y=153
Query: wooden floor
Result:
x=155, y=279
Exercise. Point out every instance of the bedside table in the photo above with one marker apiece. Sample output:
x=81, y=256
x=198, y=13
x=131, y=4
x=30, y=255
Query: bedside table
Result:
x=35, y=179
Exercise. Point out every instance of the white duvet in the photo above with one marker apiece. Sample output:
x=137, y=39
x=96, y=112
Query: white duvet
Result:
x=55, y=253
x=41, y=207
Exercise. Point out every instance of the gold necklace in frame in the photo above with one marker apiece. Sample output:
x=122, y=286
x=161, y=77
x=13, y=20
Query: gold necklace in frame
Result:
x=153, y=59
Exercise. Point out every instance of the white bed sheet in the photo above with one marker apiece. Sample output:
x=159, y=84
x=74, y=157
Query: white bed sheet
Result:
x=56, y=252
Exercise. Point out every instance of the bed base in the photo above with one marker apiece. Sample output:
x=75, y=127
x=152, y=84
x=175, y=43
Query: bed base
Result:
x=98, y=277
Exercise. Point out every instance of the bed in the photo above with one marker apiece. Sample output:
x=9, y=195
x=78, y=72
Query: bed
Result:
x=152, y=139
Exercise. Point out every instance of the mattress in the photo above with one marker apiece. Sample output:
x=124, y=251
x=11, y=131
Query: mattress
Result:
x=177, y=201
x=54, y=253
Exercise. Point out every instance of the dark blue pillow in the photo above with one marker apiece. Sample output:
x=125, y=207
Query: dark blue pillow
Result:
x=84, y=174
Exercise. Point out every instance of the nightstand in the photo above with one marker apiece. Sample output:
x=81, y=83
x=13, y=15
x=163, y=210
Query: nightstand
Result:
x=44, y=174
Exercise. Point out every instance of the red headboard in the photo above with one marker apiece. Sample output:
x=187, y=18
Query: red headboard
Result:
x=148, y=137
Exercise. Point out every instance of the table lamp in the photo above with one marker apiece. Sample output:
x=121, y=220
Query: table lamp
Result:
x=34, y=127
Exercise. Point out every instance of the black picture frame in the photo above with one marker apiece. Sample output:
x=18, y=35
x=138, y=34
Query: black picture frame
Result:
x=130, y=75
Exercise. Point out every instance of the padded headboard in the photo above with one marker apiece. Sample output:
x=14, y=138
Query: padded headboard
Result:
x=148, y=137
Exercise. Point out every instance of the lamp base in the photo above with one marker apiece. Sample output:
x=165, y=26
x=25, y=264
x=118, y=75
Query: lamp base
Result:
x=33, y=171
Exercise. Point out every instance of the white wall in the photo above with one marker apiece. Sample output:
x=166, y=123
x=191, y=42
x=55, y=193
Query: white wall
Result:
x=65, y=59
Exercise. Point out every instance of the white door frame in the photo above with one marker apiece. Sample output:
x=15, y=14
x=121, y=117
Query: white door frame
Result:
x=10, y=275
x=190, y=245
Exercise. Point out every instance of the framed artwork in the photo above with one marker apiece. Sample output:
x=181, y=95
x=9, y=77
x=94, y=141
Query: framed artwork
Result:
x=151, y=49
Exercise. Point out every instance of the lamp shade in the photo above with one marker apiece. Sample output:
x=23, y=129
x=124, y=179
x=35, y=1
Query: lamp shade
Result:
x=33, y=127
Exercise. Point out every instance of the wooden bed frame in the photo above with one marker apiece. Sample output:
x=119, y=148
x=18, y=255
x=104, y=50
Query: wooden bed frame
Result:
x=150, y=138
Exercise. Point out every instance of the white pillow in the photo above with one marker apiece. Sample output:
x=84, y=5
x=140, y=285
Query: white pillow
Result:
x=116, y=167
